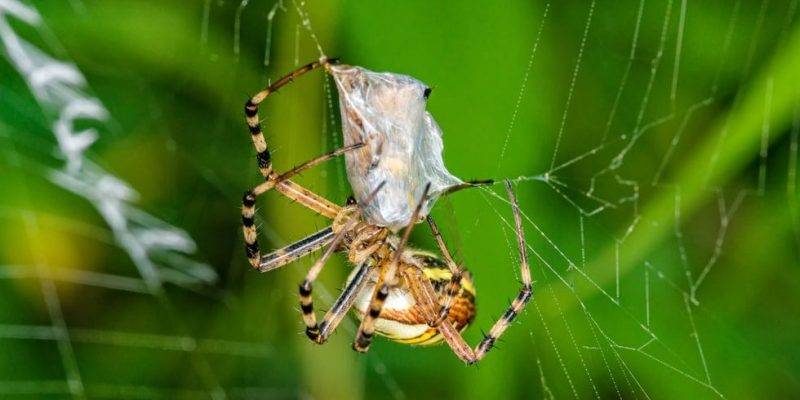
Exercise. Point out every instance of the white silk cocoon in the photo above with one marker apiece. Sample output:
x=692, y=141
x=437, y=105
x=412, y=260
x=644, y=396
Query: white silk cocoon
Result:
x=403, y=143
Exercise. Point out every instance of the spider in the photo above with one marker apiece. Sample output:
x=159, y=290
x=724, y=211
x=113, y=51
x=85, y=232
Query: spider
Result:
x=408, y=295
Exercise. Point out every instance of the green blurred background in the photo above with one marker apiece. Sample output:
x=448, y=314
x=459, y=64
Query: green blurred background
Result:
x=658, y=140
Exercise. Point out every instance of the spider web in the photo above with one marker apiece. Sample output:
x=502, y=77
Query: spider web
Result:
x=622, y=287
x=567, y=274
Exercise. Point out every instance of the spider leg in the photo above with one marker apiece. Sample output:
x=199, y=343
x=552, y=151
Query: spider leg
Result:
x=452, y=336
x=296, y=250
x=301, y=195
x=253, y=122
x=415, y=279
x=466, y=185
x=281, y=182
x=291, y=190
x=454, y=285
x=316, y=161
x=306, y=301
x=319, y=333
x=367, y=327
x=388, y=279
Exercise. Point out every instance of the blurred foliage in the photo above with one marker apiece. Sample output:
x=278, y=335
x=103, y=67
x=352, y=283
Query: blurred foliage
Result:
x=711, y=87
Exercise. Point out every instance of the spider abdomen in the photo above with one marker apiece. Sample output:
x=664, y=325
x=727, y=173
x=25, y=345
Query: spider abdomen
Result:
x=402, y=318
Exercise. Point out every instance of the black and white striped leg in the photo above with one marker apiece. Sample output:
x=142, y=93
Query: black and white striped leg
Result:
x=296, y=250
x=307, y=308
x=525, y=293
x=249, y=225
x=254, y=124
x=367, y=328
x=303, y=196
x=282, y=183
x=503, y=323
x=319, y=333
x=306, y=287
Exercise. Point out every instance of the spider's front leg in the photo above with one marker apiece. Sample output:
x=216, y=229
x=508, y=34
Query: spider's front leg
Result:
x=291, y=190
x=280, y=182
x=253, y=122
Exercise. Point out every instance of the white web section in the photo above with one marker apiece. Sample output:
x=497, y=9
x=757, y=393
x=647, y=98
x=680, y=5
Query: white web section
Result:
x=566, y=281
x=561, y=272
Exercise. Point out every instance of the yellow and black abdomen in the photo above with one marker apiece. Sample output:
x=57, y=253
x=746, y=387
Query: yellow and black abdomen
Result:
x=401, y=318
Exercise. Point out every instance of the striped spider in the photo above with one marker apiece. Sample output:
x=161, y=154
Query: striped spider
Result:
x=408, y=295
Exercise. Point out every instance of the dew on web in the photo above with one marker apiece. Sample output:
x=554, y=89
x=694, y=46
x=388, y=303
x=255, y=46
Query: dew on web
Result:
x=268, y=38
x=237, y=28
x=626, y=74
x=523, y=86
x=575, y=73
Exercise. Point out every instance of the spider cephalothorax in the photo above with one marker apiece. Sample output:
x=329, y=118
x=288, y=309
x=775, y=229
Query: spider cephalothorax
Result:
x=393, y=150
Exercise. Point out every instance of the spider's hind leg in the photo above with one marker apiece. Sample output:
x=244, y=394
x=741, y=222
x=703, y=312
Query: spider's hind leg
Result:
x=451, y=334
x=456, y=274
